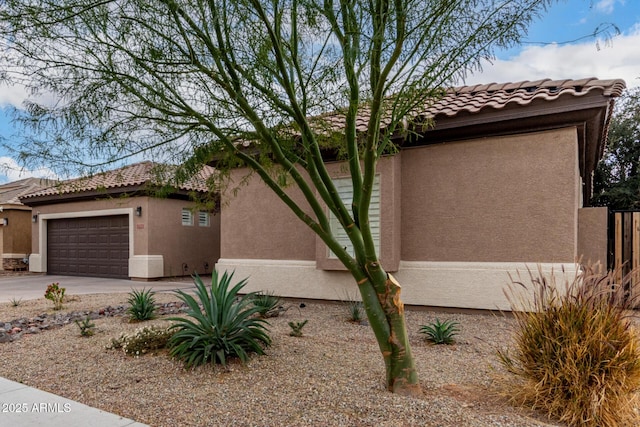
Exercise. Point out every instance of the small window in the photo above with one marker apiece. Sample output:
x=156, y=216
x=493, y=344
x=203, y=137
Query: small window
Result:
x=203, y=219
x=187, y=217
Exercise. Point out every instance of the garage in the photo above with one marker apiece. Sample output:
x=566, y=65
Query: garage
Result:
x=89, y=246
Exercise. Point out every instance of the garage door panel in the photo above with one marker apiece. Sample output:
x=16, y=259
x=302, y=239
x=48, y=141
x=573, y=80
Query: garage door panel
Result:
x=90, y=246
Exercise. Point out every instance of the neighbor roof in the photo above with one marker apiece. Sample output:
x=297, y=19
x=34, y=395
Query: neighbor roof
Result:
x=131, y=177
x=11, y=192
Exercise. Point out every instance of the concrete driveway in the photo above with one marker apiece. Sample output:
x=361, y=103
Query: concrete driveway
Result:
x=32, y=286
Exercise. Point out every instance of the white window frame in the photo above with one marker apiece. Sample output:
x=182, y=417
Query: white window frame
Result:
x=345, y=191
x=187, y=217
x=203, y=219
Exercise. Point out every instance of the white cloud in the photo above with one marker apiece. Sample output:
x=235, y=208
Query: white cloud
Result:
x=11, y=171
x=13, y=95
x=606, y=6
x=619, y=59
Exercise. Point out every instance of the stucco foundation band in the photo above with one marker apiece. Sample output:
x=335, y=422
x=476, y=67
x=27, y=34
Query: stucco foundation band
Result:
x=472, y=285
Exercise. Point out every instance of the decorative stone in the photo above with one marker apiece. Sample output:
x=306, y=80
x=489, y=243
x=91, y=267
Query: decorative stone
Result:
x=43, y=322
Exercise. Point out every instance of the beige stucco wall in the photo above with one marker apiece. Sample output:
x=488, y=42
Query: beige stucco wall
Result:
x=256, y=224
x=505, y=199
x=471, y=214
x=592, y=235
x=196, y=247
x=159, y=244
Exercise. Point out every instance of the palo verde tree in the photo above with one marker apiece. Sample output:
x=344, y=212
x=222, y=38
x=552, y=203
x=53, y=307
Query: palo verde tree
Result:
x=249, y=82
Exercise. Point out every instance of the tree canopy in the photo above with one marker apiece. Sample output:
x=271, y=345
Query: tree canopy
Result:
x=617, y=178
x=250, y=82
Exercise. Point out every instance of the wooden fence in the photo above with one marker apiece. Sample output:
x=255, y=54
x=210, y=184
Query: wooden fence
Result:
x=624, y=242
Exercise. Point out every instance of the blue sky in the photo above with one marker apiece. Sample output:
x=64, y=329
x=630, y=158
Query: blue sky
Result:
x=545, y=55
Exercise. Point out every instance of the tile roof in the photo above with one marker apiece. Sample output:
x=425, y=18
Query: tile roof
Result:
x=494, y=96
x=473, y=99
x=11, y=192
x=135, y=175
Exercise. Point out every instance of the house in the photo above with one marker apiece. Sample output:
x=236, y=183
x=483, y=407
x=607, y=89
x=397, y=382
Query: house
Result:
x=15, y=222
x=501, y=182
x=113, y=224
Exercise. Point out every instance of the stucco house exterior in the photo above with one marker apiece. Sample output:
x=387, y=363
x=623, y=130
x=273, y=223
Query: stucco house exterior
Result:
x=15, y=222
x=501, y=182
x=113, y=224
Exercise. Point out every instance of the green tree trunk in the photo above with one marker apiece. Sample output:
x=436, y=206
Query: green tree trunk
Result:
x=385, y=311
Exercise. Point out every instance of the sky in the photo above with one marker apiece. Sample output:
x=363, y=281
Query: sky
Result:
x=559, y=45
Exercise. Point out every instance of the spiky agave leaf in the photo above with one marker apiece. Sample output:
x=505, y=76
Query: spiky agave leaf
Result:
x=220, y=324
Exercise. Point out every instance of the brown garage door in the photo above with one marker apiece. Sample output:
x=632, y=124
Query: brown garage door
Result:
x=92, y=246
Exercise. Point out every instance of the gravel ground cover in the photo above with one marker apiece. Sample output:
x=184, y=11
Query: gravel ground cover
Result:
x=332, y=376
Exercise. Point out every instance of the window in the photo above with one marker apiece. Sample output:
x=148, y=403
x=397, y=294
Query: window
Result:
x=187, y=217
x=203, y=219
x=345, y=190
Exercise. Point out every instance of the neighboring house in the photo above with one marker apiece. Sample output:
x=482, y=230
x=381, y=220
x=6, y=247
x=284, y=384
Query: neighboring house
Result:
x=113, y=225
x=15, y=222
x=500, y=183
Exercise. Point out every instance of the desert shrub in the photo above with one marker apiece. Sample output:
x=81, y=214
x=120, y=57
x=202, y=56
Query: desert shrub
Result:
x=142, y=341
x=55, y=294
x=355, y=308
x=86, y=327
x=142, y=305
x=220, y=324
x=267, y=303
x=296, y=328
x=576, y=352
x=441, y=332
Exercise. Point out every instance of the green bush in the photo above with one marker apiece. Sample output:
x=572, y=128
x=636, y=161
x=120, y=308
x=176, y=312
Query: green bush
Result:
x=142, y=341
x=356, y=311
x=441, y=332
x=576, y=353
x=268, y=304
x=296, y=328
x=142, y=305
x=355, y=308
x=220, y=324
x=86, y=327
x=55, y=294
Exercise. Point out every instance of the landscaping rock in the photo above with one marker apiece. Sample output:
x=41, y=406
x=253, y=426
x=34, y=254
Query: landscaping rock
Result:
x=10, y=331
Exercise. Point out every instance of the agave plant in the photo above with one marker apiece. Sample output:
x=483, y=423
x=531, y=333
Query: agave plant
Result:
x=268, y=304
x=441, y=332
x=220, y=324
x=142, y=305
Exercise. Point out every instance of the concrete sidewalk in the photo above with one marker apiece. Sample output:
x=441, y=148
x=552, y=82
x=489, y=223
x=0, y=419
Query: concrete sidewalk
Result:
x=22, y=406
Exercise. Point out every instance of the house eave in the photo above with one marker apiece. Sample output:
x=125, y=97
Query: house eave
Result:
x=110, y=193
